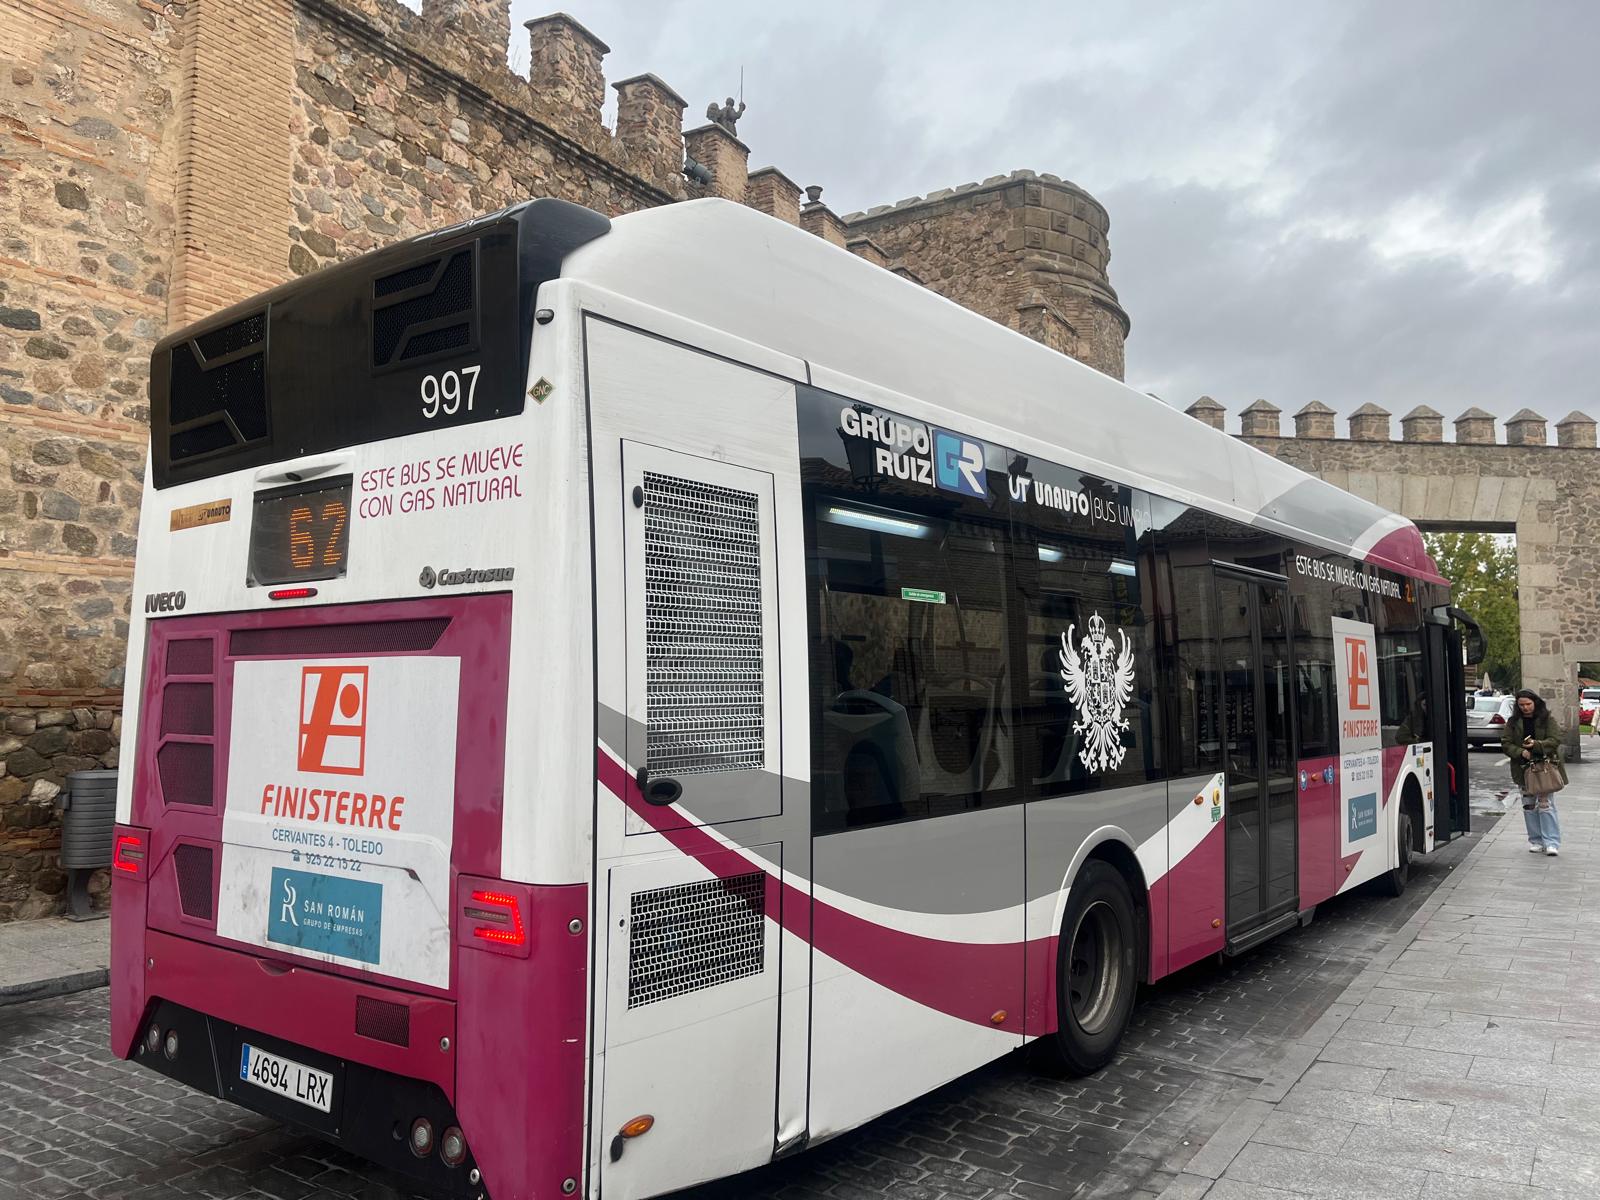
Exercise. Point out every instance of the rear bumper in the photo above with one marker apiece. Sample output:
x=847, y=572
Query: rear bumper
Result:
x=371, y=1112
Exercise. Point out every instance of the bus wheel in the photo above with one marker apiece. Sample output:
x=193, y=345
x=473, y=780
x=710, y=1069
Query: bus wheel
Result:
x=1394, y=882
x=1096, y=973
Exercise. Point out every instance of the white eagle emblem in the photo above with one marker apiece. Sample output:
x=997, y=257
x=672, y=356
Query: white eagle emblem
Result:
x=1099, y=689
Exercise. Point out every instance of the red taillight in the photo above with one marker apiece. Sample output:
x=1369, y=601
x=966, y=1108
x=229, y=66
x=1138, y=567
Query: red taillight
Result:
x=129, y=853
x=304, y=593
x=500, y=916
x=1497, y=719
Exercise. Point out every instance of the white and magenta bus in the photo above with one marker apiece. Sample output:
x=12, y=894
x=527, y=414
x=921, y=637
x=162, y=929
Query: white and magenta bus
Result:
x=613, y=702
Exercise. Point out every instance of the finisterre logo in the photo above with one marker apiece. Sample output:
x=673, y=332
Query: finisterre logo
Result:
x=1358, y=674
x=333, y=720
x=1099, y=682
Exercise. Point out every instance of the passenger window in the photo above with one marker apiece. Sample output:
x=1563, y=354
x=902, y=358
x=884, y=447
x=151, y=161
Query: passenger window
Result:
x=1089, y=715
x=910, y=662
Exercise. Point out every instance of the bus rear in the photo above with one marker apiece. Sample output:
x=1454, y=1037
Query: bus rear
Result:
x=322, y=908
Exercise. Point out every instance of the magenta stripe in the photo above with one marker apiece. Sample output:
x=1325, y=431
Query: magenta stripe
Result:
x=972, y=981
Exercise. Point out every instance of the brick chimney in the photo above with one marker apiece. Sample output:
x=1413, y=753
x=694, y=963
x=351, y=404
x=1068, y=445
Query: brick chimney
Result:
x=1261, y=419
x=1526, y=428
x=1422, y=424
x=724, y=156
x=1475, y=427
x=1576, y=429
x=817, y=218
x=1369, y=423
x=1208, y=412
x=770, y=191
x=1315, y=420
x=650, y=128
x=565, y=73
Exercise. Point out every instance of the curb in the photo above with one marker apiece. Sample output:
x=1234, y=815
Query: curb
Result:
x=1213, y=1158
x=60, y=985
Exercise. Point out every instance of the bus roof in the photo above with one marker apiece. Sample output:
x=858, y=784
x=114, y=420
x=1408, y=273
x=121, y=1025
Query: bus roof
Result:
x=734, y=269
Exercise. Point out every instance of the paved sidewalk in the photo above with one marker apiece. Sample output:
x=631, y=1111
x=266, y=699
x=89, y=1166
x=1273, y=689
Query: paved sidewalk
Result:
x=52, y=957
x=1463, y=1062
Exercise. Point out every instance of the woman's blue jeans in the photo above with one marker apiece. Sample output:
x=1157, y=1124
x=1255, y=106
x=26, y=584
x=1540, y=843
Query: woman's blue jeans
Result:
x=1539, y=814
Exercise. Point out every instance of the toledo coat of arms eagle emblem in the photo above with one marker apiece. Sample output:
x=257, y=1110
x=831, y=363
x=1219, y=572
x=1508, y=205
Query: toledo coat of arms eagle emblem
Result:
x=1099, y=683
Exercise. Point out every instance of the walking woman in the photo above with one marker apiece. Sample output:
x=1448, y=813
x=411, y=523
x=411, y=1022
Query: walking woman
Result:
x=1532, y=741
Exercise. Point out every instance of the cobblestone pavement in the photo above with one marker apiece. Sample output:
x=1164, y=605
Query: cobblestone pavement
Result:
x=76, y=1123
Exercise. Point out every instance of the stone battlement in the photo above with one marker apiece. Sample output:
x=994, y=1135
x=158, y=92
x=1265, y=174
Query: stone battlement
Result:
x=1422, y=425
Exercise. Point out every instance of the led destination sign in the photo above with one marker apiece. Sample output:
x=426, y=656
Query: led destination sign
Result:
x=300, y=533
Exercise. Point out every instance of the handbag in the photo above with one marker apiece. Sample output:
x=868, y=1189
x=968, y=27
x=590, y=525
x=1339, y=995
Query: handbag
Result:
x=1541, y=778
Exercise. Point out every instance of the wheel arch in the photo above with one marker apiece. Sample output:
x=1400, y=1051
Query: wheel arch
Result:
x=1112, y=845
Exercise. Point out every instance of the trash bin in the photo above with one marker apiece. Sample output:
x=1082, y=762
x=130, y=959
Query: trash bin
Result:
x=88, y=812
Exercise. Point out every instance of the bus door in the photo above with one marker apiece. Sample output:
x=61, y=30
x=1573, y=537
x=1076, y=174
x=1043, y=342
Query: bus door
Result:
x=691, y=896
x=1258, y=713
x=1446, y=683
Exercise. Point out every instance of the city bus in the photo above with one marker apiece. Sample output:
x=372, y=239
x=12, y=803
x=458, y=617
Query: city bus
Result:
x=614, y=702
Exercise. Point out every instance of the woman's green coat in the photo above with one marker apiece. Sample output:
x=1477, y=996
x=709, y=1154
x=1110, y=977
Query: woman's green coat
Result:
x=1546, y=741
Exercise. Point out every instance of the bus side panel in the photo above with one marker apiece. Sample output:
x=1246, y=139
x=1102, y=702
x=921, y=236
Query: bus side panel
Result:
x=523, y=1111
x=1321, y=870
x=1194, y=888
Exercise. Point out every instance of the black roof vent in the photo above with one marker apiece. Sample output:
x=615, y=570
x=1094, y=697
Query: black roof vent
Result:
x=425, y=309
x=218, y=399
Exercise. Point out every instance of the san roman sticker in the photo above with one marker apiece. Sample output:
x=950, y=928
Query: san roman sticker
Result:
x=340, y=808
x=1360, y=732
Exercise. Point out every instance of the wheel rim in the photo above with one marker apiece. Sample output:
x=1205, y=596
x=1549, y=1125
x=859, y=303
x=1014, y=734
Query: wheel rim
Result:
x=1094, y=968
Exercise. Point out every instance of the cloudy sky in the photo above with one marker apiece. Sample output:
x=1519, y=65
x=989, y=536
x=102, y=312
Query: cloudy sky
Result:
x=1331, y=200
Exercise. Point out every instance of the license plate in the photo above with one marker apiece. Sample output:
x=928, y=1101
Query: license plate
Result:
x=285, y=1077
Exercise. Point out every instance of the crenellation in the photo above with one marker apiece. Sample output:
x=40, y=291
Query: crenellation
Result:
x=565, y=71
x=1261, y=419
x=1576, y=430
x=1208, y=412
x=1315, y=420
x=1526, y=428
x=1475, y=427
x=1422, y=424
x=1370, y=423
x=770, y=191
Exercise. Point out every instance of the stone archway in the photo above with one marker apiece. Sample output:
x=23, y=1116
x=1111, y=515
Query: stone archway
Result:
x=1548, y=496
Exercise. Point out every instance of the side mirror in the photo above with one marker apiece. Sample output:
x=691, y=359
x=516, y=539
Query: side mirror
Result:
x=1473, y=643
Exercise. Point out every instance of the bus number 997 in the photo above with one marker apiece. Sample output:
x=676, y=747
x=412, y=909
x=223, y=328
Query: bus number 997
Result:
x=443, y=393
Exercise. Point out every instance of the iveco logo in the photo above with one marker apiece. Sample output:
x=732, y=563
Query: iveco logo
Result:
x=447, y=578
x=160, y=602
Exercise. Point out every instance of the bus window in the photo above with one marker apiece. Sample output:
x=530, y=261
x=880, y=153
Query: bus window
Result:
x=910, y=681
x=1318, y=702
x=1089, y=715
x=1401, y=672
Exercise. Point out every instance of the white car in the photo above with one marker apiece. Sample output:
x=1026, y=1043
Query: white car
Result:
x=1486, y=719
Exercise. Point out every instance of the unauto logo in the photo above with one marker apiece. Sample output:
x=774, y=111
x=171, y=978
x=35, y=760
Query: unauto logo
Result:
x=333, y=720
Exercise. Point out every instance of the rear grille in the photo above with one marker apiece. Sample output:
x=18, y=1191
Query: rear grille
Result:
x=383, y=1020
x=218, y=391
x=367, y=637
x=702, y=609
x=425, y=309
x=186, y=708
x=193, y=864
x=190, y=656
x=185, y=771
x=695, y=935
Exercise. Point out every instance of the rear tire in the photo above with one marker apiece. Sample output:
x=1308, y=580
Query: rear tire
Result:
x=1097, y=972
x=1394, y=882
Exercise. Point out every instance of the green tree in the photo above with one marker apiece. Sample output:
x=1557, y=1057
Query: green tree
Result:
x=1483, y=569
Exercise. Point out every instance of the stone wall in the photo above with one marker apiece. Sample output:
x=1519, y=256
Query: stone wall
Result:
x=1029, y=251
x=1545, y=494
x=39, y=748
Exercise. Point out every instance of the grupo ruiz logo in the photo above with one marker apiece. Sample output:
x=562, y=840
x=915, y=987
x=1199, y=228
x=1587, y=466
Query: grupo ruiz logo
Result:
x=333, y=720
x=444, y=577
